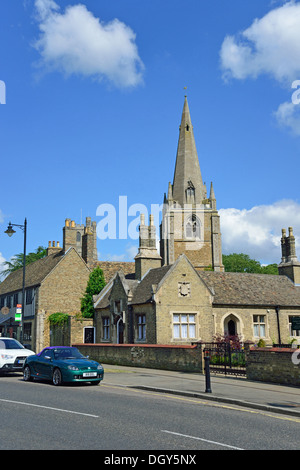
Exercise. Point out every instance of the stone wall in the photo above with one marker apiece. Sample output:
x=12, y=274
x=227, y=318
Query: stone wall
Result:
x=273, y=365
x=77, y=328
x=165, y=357
x=262, y=364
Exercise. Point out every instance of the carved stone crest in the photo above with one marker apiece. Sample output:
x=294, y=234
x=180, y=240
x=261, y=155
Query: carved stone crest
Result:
x=184, y=289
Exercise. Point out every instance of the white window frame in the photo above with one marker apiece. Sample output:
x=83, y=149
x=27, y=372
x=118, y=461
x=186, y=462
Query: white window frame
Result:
x=259, y=326
x=184, y=326
x=293, y=333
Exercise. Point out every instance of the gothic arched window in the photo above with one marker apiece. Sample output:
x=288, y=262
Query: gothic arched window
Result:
x=192, y=228
x=190, y=193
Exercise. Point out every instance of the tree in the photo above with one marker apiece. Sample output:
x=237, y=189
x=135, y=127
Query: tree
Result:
x=17, y=260
x=270, y=269
x=242, y=263
x=95, y=284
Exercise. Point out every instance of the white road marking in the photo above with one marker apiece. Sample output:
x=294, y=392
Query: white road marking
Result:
x=201, y=439
x=48, y=408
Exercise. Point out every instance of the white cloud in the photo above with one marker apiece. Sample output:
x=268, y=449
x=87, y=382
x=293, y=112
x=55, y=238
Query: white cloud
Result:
x=288, y=115
x=130, y=252
x=2, y=266
x=271, y=45
x=76, y=42
x=257, y=231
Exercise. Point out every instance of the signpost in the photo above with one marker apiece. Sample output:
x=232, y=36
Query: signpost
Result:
x=18, y=313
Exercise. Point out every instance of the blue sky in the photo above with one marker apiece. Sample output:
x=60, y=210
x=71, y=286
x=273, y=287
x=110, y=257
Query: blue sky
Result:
x=93, y=101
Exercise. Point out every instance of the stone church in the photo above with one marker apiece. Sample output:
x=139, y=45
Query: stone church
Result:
x=182, y=294
x=190, y=220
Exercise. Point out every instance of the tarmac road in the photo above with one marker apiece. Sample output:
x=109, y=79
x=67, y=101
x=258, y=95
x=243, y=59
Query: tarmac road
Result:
x=117, y=417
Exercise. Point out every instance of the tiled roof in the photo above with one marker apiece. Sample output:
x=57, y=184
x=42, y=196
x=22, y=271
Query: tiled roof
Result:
x=110, y=268
x=35, y=273
x=128, y=284
x=251, y=289
x=143, y=292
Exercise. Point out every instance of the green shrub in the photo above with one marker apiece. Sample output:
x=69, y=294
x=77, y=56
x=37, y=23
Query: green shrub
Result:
x=58, y=318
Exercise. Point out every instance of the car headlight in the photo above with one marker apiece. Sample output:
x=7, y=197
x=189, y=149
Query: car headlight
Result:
x=6, y=356
x=99, y=367
x=73, y=368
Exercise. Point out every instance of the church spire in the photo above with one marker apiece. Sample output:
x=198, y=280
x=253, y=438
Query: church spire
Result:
x=187, y=185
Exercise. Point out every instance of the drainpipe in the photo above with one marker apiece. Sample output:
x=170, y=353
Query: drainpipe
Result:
x=278, y=324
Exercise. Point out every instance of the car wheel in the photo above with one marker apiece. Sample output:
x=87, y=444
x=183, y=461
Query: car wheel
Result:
x=56, y=377
x=27, y=374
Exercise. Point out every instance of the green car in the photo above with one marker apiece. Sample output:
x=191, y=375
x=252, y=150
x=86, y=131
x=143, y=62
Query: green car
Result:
x=62, y=364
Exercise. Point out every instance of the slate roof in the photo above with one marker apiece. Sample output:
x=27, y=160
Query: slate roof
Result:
x=35, y=273
x=251, y=289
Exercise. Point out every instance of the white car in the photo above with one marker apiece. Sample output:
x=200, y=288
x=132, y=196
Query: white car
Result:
x=12, y=355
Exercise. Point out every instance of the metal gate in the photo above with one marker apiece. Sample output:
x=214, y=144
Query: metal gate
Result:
x=60, y=335
x=225, y=359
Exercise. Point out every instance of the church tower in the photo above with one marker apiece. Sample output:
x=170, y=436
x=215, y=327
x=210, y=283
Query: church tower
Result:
x=83, y=238
x=190, y=220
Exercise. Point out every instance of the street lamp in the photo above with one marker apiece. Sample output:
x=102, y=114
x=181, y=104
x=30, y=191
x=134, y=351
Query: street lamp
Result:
x=10, y=231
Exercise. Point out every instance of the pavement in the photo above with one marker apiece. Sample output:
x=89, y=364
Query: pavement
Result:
x=226, y=389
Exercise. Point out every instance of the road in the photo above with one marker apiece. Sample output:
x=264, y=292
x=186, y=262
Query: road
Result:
x=39, y=416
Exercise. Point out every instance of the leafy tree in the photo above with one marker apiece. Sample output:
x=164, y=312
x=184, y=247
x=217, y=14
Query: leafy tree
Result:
x=242, y=263
x=17, y=260
x=270, y=269
x=95, y=284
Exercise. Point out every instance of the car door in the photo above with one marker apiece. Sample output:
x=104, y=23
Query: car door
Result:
x=44, y=366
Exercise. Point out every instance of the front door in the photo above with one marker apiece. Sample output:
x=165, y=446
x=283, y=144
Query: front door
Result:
x=231, y=328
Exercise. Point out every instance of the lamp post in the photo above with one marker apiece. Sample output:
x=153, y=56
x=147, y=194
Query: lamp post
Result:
x=10, y=231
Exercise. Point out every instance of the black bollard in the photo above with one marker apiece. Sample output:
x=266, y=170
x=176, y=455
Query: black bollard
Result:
x=207, y=375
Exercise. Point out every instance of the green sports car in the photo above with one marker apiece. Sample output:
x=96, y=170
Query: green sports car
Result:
x=62, y=364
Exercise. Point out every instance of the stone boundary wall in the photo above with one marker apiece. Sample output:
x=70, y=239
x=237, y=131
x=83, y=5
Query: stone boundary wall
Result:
x=273, y=365
x=154, y=356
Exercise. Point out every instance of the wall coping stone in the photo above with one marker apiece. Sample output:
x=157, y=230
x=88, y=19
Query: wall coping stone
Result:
x=139, y=345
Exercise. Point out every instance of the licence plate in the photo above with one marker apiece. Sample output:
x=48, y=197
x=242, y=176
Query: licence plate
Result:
x=89, y=374
x=21, y=361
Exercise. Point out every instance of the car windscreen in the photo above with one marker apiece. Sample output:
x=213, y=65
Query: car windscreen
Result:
x=67, y=353
x=10, y=344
